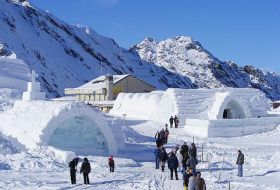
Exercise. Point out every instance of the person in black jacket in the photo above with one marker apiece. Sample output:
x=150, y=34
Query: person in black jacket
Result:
x=85, y=169
x=173, y=164
x=185, y=155
x=176, y=121
x=193, y=151
x=73, y=168
x=171, y=120
x=240, y=162
x=163, y=157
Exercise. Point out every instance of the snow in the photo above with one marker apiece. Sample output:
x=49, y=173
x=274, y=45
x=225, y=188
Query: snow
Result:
x=37, y=165
x=206, y=104
x=58, y=123
x=38, y=138
x=189, y=58
x=100, y=82
x=8, y=97
x=13, y=73
x=261, y=169
x=33, y=92
x=68, y=56
x=201, y=110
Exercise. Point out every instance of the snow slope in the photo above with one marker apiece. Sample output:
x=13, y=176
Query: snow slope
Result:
x=68, y=56
x=187, y=57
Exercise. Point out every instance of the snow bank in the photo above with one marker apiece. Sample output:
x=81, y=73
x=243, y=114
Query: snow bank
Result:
x=230, y=127
x=62, y=124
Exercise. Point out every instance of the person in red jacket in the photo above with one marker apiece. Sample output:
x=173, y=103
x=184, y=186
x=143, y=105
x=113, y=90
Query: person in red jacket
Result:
x=111, y=163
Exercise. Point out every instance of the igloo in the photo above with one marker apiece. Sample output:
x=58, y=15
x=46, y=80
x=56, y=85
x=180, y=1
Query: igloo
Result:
x=65, y=125
x=222, y=112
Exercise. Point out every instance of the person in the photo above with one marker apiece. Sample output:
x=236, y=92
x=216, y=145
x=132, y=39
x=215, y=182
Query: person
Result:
x=177, y=148
x=240, y=162
x=180, y=158
x=193, y=151
x=157, y=159
x=185, y=156
x=158, y=139
x=192, y=182
x=157, y=135
x=186, y=177
x=163, y=157
x=111, y=164
x=85, y=169
x=166, y=134
x=185, y=150
x=73, y=168
x=176, y=121
x=200, y=182
x=173, y=164
x=171, y=120
x=192, y=162
x=158, y=143
x=162, y=136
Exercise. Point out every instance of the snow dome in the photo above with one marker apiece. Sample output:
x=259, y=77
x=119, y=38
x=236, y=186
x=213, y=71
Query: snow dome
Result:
x=64, y=125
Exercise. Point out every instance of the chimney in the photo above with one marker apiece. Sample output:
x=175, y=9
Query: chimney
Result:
x=109, y=87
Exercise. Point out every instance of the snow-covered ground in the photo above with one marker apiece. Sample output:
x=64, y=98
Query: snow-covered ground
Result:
x=135, y=167
x=44, y=167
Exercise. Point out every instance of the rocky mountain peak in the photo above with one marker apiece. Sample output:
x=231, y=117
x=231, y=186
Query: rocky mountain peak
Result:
x=65, y=55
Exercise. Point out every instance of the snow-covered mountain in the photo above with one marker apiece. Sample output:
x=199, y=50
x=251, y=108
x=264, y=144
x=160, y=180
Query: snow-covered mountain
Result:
x=68, y=56
x=187, y=57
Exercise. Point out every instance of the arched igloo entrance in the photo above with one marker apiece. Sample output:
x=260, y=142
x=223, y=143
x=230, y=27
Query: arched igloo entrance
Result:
x=80, y=129
x=233, y=110
x=81, y=135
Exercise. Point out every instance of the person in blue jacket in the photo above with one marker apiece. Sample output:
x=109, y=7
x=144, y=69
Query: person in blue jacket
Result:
x=157, y=159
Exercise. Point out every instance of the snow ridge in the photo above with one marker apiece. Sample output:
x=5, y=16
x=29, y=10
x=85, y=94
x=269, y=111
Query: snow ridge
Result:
x=187, y=57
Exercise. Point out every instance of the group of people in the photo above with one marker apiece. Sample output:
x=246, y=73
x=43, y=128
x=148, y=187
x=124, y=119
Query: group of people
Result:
x=162, y=136
x=184, y=160
x=174, y=120
x=86, y=168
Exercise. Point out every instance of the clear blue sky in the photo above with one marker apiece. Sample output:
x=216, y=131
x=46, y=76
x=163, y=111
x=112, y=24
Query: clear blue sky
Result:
x=244, y=31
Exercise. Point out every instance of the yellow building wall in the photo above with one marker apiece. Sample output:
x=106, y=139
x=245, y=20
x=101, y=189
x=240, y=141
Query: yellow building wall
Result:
x=131, y=85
